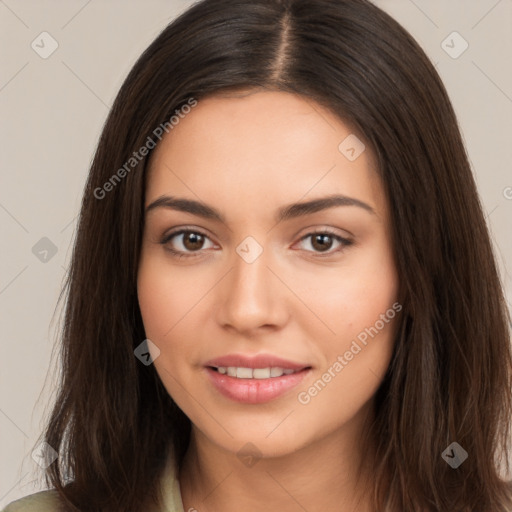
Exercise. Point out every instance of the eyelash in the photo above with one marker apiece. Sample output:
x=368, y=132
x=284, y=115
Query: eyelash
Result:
x=345, y=242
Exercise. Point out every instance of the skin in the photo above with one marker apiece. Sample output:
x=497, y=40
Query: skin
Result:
x=248, y=155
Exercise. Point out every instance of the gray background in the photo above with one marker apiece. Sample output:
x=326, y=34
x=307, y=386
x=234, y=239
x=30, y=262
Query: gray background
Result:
x=53, y=109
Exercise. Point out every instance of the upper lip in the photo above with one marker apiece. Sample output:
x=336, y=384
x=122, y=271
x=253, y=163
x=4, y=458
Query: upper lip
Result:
x=256, y=361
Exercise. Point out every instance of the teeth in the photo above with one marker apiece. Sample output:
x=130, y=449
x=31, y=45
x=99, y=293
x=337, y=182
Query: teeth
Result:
x=256, y=373
x=264, y=373
x=244, y=373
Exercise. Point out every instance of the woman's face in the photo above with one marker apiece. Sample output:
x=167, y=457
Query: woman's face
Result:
x=251, y=278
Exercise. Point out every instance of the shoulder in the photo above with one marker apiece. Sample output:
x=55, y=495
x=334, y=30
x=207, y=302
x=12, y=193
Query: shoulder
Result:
x=42, y=501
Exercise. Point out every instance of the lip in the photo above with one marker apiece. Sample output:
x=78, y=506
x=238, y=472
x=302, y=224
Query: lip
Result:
x=256, y=361
x=254, y=391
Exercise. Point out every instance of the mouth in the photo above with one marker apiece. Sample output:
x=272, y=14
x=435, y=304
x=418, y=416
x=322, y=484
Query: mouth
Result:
x=238, y=372
x=255, y=385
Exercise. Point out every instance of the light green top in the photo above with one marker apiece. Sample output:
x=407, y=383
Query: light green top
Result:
x=47, y=501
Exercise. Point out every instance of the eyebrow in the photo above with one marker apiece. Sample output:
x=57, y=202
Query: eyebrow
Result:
x=285, y=213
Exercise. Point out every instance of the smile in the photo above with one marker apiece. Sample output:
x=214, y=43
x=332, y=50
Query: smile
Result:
x=254, y=373
x=254, y=385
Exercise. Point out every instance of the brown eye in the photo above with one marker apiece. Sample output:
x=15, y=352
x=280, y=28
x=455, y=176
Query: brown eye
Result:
x=193, y=241
x=323, y=241
x=185, y=242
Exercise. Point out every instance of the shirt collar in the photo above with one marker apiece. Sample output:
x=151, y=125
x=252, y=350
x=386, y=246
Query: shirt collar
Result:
x=170, y=486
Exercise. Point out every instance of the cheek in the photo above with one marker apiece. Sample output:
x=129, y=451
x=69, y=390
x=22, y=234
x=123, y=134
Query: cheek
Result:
x=355, y=360
x=358, y=303
x=163, y=301
x=353, y=297
x=162, y=297
x=155, y=301
x=166, y=297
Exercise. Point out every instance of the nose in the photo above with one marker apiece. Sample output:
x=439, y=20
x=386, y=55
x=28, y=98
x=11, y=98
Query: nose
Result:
x=252, y=297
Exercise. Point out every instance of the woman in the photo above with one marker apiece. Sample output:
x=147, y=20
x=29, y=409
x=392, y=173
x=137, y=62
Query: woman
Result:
x=282, y=294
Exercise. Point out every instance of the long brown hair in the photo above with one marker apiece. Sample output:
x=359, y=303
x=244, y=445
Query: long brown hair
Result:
x=450, y=378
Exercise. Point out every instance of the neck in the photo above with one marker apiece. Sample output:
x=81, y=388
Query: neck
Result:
x=320, y=476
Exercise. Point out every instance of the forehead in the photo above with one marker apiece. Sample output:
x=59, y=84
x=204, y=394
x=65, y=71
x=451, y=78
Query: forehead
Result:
x=267, y=147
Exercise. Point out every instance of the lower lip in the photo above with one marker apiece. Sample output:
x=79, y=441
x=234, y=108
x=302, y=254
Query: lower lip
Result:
x=254, y=391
